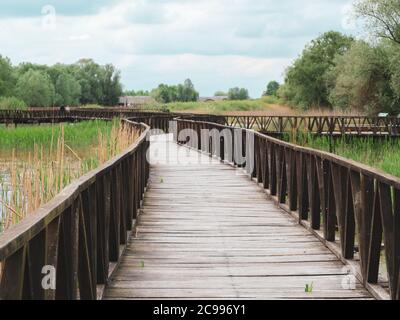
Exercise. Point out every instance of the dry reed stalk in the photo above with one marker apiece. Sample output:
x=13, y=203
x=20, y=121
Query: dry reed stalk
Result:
x=41, y=177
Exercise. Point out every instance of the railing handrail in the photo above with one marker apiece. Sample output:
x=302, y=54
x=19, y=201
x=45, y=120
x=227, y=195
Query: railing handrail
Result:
x=15, y=237
x=319, y=124
x=310, y=116
x=160, y=112
x=16, y=241
x=328, y=190
x=80, y=232
x=351, y=164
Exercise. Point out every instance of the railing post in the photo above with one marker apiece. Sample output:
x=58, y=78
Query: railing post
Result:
x=302, y=186
x=272, y=169
x=313, y=193
x=222, y=148
x=103, y=227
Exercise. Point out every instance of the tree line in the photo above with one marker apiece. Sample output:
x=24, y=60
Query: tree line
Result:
x=185, y=92
x=34, y=85
x=172, y=93
x=339, y=71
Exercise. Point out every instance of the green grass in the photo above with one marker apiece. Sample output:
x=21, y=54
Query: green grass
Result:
x=383, y=154
x=309, y=288
x=271, y=100
x=79, y=135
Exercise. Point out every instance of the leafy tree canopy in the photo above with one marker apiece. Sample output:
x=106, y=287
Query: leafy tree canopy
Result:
x=85, y=82
x=305, y=83
x=381, y=17
x=68, y=90
x=238, y=94
x=360, y=79
x=7, y=78
x=36, y=89
x=272, y=88
x=182, y=92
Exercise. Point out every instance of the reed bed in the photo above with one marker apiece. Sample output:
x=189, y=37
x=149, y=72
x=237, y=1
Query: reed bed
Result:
x=48, y=166
x=381, y=153
x=23, y=137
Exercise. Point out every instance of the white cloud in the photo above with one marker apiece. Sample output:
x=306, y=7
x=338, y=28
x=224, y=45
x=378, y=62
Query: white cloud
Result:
x=219, y=42
x=209, y=73
x=348, y=17
x=80, y=37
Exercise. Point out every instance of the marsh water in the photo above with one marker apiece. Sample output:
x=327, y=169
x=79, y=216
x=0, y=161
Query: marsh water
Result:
x=37, y=162
x=12, y=166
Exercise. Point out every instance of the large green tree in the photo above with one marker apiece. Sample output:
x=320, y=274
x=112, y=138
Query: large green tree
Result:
x=361, y=79
x=238, y=94
x=36, y=89
x=382, y=17
x=165, y=93
x=183, y=92
x=305, y=82
x=187, y=92
x=394, y=60
x=272, y=88
x=68, y=90
x=24, y=67
x=83, y=82
x=88, y=74
x=99, y=84
x=7, y=79
x=111, y=85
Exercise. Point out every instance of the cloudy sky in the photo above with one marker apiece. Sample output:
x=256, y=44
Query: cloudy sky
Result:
x=217, y=43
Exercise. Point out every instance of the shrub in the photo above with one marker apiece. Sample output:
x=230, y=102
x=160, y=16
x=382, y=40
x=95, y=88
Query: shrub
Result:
x=238, y=94
x=12, y=103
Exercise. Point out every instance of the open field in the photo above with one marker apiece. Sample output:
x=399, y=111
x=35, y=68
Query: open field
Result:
x=257, y=107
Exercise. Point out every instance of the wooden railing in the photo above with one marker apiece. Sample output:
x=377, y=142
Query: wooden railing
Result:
x=80, y=233
x=158, y=119
x=49, y=114
x=330, y=125
x=326, y=193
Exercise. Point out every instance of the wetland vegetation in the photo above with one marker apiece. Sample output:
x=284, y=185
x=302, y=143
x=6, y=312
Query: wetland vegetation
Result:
x=37, y=162
x=380, y=153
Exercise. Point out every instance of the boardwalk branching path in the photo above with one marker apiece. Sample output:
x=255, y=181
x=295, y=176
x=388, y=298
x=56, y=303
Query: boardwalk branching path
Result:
x=207, y=231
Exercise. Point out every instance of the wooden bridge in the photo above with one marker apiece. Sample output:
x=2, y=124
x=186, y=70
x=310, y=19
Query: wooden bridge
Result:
x=271, y=125
x=219, y=212
x=322, y=125
x=207, y=231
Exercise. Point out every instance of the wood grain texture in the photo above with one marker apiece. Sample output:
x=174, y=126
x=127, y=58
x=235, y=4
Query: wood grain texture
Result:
x=206, y=231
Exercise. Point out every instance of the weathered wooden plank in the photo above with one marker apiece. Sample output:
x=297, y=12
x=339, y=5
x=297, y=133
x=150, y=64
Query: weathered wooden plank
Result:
x=206, y=231
x=137, y=259
x=277, y=293
x=321, y=282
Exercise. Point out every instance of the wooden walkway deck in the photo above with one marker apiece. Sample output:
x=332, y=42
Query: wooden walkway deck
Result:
x=206, y=231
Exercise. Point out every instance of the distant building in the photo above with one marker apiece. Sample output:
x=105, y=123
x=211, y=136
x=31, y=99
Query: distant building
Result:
x=212, y=99
x=135, y=101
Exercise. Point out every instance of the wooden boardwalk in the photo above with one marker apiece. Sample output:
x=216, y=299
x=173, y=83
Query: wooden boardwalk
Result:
x=206, y=231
